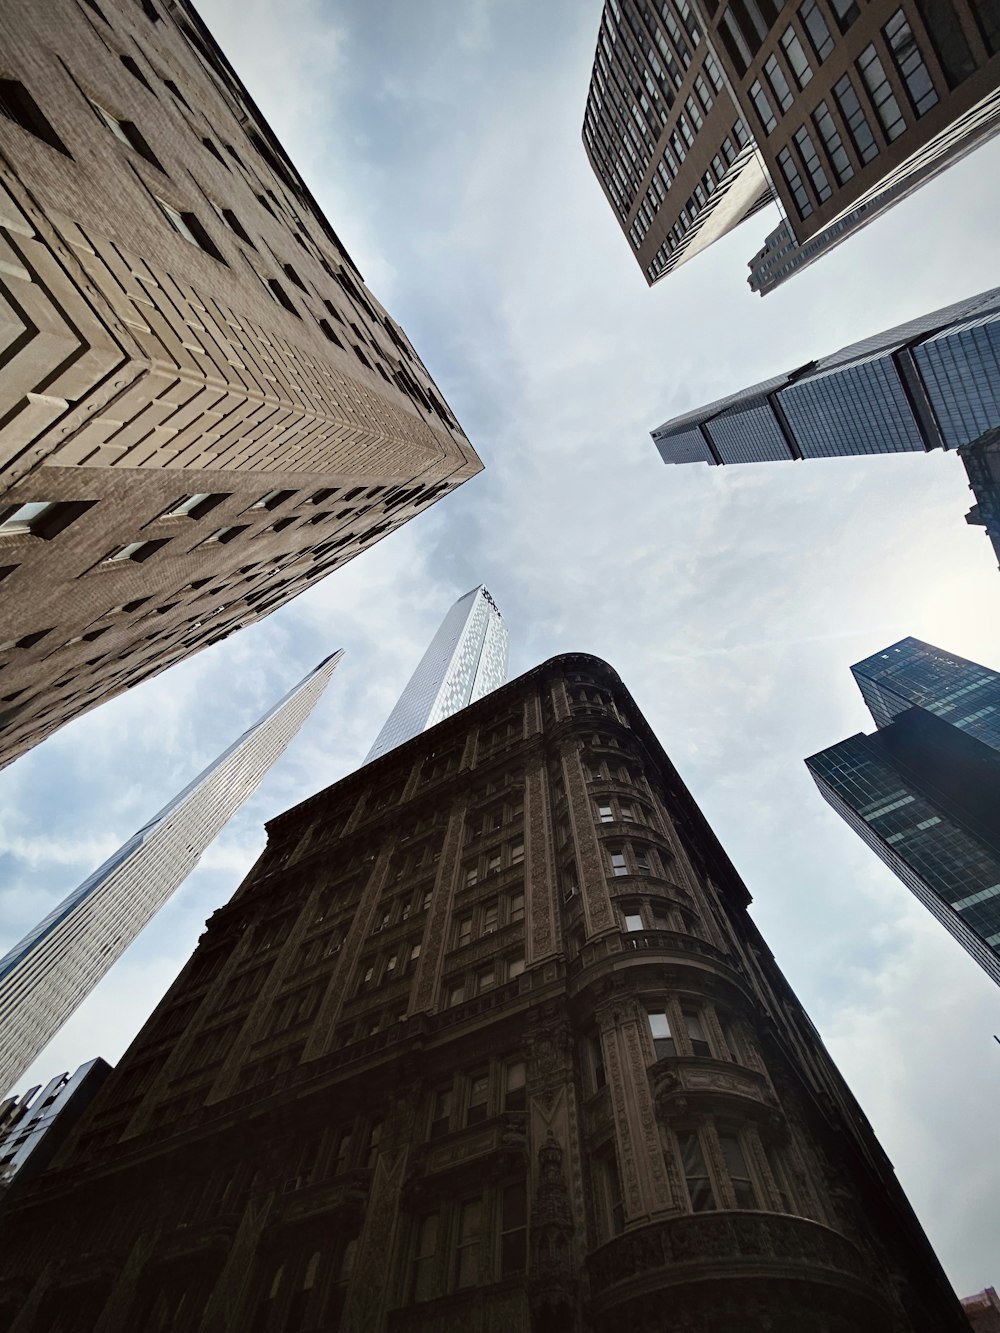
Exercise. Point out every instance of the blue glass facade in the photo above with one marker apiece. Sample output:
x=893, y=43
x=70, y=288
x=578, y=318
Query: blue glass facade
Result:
x=924, y=790
x=931, y=383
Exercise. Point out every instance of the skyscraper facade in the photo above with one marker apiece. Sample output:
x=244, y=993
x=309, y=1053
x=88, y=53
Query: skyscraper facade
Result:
x=982, y=465
x=933, y=382
x=487, y=1040
x=34, y=1126
x=204, y=408
x=924, y=790
x=845, y=108
x=466, y=659
x=56, y=965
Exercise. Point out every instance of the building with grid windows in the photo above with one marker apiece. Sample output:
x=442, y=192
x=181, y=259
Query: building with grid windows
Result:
x=487, y=1039
x=982, y=464
x=466, y=659
x=842, y=107
x=924, y=790
x=204, y=408
x=52, y=970
x=931, y=383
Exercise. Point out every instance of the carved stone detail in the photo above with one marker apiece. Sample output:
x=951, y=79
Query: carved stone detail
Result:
x=552, y=1280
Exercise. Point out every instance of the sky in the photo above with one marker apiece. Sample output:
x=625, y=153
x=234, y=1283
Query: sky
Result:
x=443, y=141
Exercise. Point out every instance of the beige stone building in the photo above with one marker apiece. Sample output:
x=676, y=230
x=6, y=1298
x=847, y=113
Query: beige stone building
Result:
x=202, y=407
x=486, y=1042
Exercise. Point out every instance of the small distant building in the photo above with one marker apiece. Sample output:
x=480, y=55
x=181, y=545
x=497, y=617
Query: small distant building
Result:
x=34, y=1126
x=982, y=463
x=983, y=1311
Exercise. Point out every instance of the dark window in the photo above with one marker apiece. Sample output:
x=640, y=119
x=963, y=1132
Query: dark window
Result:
x=188, y=226
x=739, y=1173
x=696, y=1033
x=513, y=1230
x=470, y=1221
x=795, y=183
x=845, y=11
x=779, y=84
x=479, y=1091
x=441, y=1113
x=328, y=330
x=814, y=167
x=762, y=106
x=424, y=1251
x=833, y=144
x=514, y=1089
x=292, y=276
x=236, y=226
x=949, y=40
x=796, y=56
x=909, y=62
x=696, y=1174
x=135, y=71
x=855, y=119
x=816, y=29
x=17, y=104
x=880, y=90
x=987, y=16
x=282, y=297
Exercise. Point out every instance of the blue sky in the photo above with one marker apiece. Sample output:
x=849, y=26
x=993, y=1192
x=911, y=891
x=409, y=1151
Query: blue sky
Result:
x=443, y=140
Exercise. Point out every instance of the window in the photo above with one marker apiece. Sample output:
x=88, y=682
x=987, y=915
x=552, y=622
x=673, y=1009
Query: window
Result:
x=814, y=167
x=605, y=814
x=486, y=978
x=479, y=1091
x=18, y=105
x=282, y=297
x=441, y=1113
x=467, y=1249
x=513, y=1229
x=845, y=11
x=135, y=551
x=456, y=992
x=643, y=860
x=795, y=183
x=855, y=119
x=188, y=226
x=632, y=918
x=272, y=499
x=40, y=518
x=739, y=1173
x=699, y=1186
x=128, y=134
x=816, y=29
x=224, y=535
x=949, y=40
x=796, y=56
x=618, y=866
x=696, y=1033
x=610, y=1185
x=909, y=63
x=779, y=84
x=424, y=1252
x=767, y=117
x=516, y=907
x=374, y=1138
x=833, y=144
x=490, y=917
x=595, y=1060
x=194, y=506
x=880, y=90
x=514, y=1095
x=659, y=1026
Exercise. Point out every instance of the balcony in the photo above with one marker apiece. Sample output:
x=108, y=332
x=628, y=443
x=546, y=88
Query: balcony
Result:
x=215, y=1235
x=345, y=1195
x=683, y=1083
x=704, y=1265
x=609, y=947
x=493, y=1149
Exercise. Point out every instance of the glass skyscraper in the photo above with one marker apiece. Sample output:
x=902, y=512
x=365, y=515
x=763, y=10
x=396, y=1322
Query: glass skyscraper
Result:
x=931, y=383
x=924, y=790
x=467, y=658
x=46, y=976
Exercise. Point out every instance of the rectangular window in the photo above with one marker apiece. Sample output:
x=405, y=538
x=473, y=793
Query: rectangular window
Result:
x=463, y=931
x=814, y=167
x=128, y=133
x=846, y=11
x=611, y=1186
x=696, y=1033
x=855, y=119
x=441, y=1113
x=456, y=992
x=795, y=183
x=909, y=62
x=632, y=919
x=515, y=966
x=516, y=853
x=490, y=917
x=516, y=907
x=643, y=860
x=829, y=135
x=949, y=40
x=696, y=1175
x=424, y=1252
x=470, y=1218
x=514, y=1096
x=479, y=1092
x=595, y=1055
x=766, y=116
x=513, y=1230
x=374, y=1138
x=17, y=104
x=796, y=56
x=188, y=226
x=486, y=978
x=739, y=1173
x=605, y=814
x=779, y=84
x=618, y=866
x=816, y=29
x=880, y=90
x=659, y=1026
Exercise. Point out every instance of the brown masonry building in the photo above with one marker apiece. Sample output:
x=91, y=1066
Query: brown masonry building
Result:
x=486, y=1041
x=202, y=407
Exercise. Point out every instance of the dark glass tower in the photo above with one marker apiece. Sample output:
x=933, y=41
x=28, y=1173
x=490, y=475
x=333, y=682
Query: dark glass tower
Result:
x=932, y=383
x=924, y=790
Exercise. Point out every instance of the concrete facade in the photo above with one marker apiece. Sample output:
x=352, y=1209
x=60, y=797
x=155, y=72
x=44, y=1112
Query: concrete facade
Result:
x=486, y=1041
x=196, y=381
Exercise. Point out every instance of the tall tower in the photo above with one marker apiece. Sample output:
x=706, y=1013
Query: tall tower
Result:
x=924, y=790
x=466, y=659
x=931, y=383
x=487, y=1039
x=55, y=967
x=700, y=113
x=204, y=408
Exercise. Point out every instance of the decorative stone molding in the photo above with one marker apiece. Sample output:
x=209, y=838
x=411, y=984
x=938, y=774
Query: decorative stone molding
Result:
x=680, y=1083
x=552, y=1273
